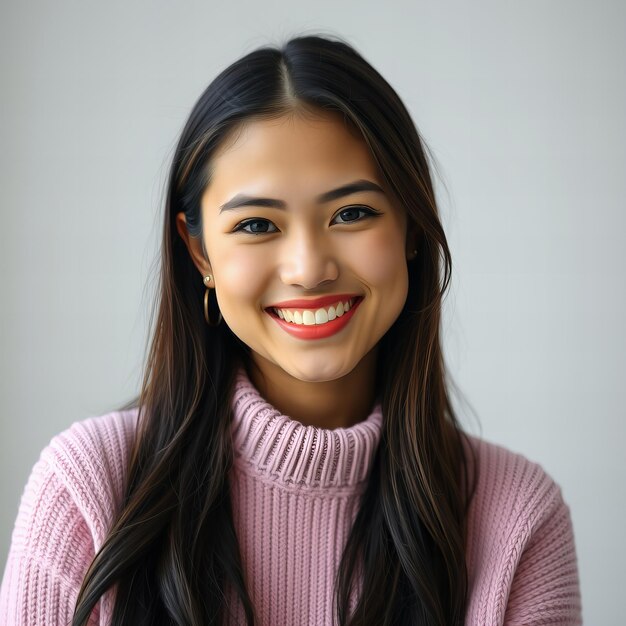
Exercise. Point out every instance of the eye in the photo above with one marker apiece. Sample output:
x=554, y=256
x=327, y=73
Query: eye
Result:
x=349, y=212
x=256, y=220
x=355, y=210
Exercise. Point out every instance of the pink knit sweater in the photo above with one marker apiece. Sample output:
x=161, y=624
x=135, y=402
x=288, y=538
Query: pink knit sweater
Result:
x=295, y=493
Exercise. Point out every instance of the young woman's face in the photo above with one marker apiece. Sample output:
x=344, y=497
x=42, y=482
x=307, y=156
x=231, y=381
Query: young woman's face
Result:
x=260, y=255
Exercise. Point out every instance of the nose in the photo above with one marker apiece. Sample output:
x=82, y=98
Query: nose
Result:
x=308, y=263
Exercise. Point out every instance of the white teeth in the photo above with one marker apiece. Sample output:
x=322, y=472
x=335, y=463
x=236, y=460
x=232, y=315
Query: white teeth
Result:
x=309, y=317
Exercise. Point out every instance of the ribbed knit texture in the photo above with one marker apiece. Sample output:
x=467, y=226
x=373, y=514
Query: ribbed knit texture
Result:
x=295, y=492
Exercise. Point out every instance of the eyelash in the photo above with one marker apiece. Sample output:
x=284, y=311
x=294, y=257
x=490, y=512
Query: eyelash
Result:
x=368, y=211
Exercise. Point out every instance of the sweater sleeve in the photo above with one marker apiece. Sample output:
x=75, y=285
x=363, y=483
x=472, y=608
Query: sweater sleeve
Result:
x=51, y=549
x=545, y=587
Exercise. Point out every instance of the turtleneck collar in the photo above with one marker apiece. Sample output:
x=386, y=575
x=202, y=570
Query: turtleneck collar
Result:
x=284, y=450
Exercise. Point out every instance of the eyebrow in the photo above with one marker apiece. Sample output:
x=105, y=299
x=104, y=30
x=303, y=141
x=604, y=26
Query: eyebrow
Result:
x=241, y=200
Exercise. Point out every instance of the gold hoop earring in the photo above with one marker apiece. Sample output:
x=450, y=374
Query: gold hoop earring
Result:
x=207, y=279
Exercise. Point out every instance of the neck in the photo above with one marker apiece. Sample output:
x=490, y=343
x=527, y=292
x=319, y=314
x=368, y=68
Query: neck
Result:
x=331, y=404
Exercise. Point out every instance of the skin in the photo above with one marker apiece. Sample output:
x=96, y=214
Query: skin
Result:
x=307, y=250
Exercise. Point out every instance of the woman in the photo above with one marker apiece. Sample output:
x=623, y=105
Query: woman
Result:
x=293, y=456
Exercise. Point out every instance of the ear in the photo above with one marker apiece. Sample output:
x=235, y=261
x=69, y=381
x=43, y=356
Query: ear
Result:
x=194, y=246
x=411, y=240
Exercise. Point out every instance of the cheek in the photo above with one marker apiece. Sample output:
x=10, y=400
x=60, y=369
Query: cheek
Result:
x=239, y=278
x=383, y=264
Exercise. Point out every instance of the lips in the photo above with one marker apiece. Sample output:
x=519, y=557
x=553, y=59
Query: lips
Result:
x=316, y=331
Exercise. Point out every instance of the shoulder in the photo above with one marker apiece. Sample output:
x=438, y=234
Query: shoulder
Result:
x=89, y=461
x=514, y=494
x=519, y=530
x=69, y=503
x=509, y=481
x=96, y=439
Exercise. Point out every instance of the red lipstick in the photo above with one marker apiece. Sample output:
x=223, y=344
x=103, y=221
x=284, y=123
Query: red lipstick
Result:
x=316, y=331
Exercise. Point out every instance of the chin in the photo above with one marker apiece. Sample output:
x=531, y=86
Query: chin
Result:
x=319, y=373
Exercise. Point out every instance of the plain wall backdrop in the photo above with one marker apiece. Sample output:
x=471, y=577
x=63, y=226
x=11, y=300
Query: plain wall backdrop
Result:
x=523, y=105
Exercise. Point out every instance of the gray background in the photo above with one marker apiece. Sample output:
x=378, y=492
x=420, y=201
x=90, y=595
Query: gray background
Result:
x=523, y=106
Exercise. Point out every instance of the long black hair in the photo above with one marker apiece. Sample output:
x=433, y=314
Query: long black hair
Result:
x=173, y=547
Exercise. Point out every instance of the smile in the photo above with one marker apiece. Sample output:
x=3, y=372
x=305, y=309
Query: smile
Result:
x=309, y=317
x=318, y=324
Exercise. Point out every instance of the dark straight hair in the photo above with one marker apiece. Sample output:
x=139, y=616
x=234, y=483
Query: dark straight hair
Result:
x=173, y=549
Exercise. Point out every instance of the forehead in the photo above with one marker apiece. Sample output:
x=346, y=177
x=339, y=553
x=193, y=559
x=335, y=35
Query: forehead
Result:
x=304, y=152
